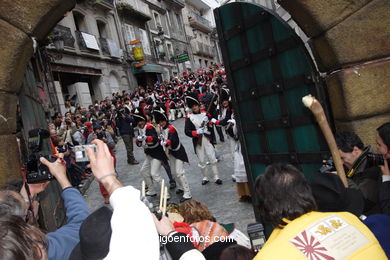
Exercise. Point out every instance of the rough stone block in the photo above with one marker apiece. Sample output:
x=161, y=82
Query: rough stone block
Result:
x=360, y=92
x=7, y=113
x=16, y=49
x=362, y=36
x=316, y=16
x=365, y=128
x=35, y=18
x=9, y=159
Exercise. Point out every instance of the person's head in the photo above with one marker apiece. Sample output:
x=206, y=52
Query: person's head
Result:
x=350, y=147
x=68, y=115
x=95, y=235
x=383, y=140
x=21, y=241
x=12, y=203
x=237, y=252
x=57, y=118
x=97, y=127
x=195, y=211
x=283, y=193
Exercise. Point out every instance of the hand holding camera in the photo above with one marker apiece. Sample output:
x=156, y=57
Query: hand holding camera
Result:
x=58, y=170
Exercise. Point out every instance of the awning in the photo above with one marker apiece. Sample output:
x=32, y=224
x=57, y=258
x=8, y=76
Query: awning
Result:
x=148, y=68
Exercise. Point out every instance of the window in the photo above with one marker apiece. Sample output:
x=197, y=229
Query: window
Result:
x=157, y=19
x=200, y=62
x=205, y=62
x=79, y=21
x=145, y=42
x=102, y=28
x=170, y=50
x=179, y=24
x=129, y=33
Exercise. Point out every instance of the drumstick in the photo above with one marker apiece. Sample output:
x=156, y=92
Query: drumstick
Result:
x=161, y=194
x=164, y=209
x=143, y=189
x=315, y=107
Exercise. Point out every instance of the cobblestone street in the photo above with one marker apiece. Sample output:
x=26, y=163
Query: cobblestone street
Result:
x=222, y=200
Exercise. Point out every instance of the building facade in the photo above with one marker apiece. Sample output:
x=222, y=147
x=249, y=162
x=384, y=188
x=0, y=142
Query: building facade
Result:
x=91, y=66
x=200, y=29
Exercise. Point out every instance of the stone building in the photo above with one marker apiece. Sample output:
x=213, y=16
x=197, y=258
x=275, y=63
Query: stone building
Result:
x=91, y=64
x=200, y=28
x=169, y=41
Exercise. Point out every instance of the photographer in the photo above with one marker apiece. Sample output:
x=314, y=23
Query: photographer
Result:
x=101, y=134
x=361, y=168
x=61, y=242
x=383, y=147
x=123, y=122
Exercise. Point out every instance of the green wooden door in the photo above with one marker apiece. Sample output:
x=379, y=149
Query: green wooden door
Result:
x=269, y=71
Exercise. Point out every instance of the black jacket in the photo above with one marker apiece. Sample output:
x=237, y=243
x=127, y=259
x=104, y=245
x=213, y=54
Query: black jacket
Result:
x=174, y=145
x=154, y=149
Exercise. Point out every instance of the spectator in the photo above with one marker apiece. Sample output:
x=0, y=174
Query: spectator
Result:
x=383, y=147
x=61, y=242
x=366, y=176
x=124, y=122
x=286, y=201
x=237, y=252
x=95, y=235
x=129, y=239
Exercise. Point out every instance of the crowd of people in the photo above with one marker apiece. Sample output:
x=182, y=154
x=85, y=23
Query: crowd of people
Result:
x=317, y=220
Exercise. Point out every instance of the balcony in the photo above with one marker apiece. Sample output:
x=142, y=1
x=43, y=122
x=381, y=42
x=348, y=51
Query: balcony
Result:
x=105, y=4
x=135, y=8
x=202, y=49
x=199, y=22
x=66, y=33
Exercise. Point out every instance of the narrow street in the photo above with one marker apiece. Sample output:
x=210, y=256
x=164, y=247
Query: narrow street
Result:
x=222, y=200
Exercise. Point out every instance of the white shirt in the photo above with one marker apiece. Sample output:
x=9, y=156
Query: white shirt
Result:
x=134, y=235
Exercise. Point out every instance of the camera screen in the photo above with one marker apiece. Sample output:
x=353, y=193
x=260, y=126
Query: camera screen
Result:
x=80, y=154
x=258, y=241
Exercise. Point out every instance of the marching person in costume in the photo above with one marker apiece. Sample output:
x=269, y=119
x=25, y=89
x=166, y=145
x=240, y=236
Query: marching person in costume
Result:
x=154, y=152
x=176, y=153
x=227, y=120
x=197, y=127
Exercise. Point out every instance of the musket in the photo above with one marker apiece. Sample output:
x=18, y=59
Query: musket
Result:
x=204, y=123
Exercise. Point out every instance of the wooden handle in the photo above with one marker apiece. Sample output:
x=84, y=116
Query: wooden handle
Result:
x=315, y=107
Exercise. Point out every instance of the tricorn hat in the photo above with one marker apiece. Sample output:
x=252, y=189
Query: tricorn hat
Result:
x=192, y=99
x=225, y=94
x=138, y=115
x=159, y=114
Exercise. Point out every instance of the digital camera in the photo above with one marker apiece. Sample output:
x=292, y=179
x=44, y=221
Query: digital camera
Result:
x=36, y=171
x=81, y=154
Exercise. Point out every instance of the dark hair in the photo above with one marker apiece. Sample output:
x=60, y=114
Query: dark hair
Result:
x=19, y=240
x=346, y=141
x=384, y=133
x=10, y=203
x=237, y=252
x=283, y=192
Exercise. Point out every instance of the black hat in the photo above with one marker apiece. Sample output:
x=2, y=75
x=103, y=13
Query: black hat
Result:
x=331, y=195
x=192, y=99
x=159, y=114
x=138, y=115
x=95, y=236
x=225, y=94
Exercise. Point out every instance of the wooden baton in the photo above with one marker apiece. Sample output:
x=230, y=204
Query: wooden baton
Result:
x=316, y=108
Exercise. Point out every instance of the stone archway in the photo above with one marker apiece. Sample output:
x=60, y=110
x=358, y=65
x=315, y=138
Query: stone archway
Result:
x=21, y=21
x=350, y=42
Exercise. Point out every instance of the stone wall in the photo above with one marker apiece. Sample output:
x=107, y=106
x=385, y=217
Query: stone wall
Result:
x=350, y=42
x=20, y=22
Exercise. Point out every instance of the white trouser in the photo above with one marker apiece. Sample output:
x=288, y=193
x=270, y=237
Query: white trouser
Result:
x=150, y=171
x=207, y=149
x=181, y=112
x=178, y=172
x=172, y=114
